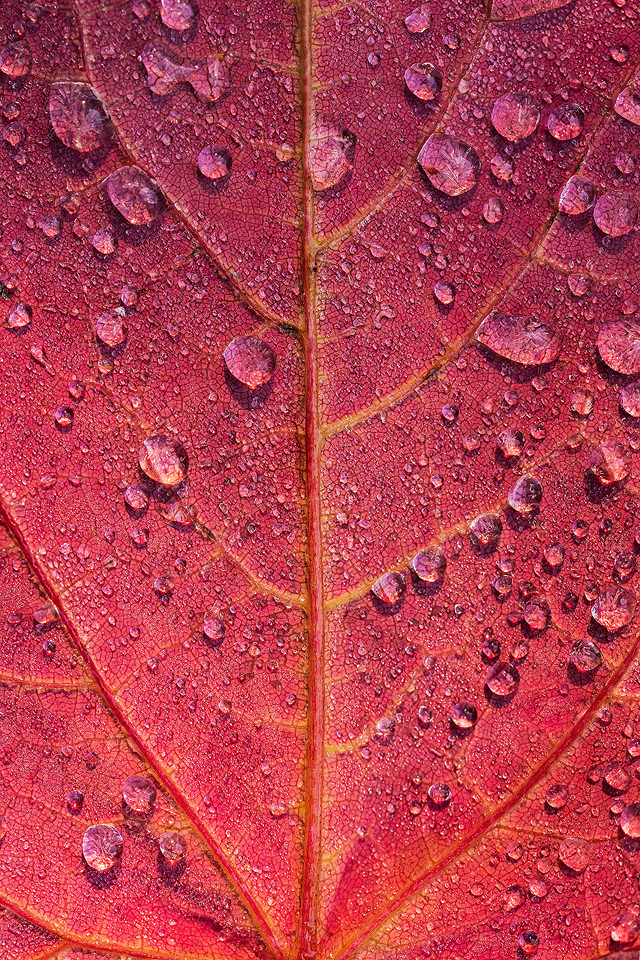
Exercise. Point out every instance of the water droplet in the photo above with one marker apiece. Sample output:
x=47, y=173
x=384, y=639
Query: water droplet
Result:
x=485, y=529
x=528, y=942
x=389, y=588
x=503, y=168
x=163, y=586
x=510, y=443
x=566, y=121
x=616, y=214
x=425, y=716
x=173, y=846
x=453, y=167
x=627, y=105
x=139, y=794
x=14, y=133
x=513, y=897
x=15, y=60
x=439, y=795
x=177, y=14
x=111, y=328
x=208, y=78
x=525, y=340
x=19, y=316
x=384, y=730
x=134, y=195
x=610, y=462
x=213, y=628
x=75, y=799
x=627, y=927
x=104, y=242
x=619, y=344
x=250, y=361
x=464, y=716
x=503, y=679
x=525, y=495
x=136, y=497
x=557, y=796
x=444, y=292
x=630, y=820
x=614, y=608
x=536, y=613
x=554, y=555
x=578, y=195
x=423, y=80
x=573, y=853
x=332, y=151
x=515, y=116
x=101, y=846
x=585, y=656
x=419, y=19
x=163, y=459
x=64, y=417
x=493, y=210
x=177, y=513
x=630, y=400
x=429, y=565
x=616, y=778
x=582, y=402
x=214, y=163
x=77, y=116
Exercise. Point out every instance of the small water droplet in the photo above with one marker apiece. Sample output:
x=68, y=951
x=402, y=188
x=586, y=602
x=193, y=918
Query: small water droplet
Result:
x=619, y=344
x=566, y=121
x=75, y=799
x=163, y=459
x=503, y=679
x=627, y=105
x=610, y=462
x=452, y=166
x=464, y=716
x=15, y=60
x=439, y=795
x=111, y=328
x=528, y=942
x=556, y=796
x=614, y=608
x=332, y=152
x=173, y=846
x=525, y=495
x=214, y=162
x=419, y=19
x=493, y=210
x=19, y=316
x=573, y=853
x=616, y=214
x=585, y=656
x=177, y=14
x=250, y=361
x=485, y=529
x=102, y=846
x=139, y=794
x=578, y=195
x=429, y=565
x=390, y=588
x=423, y=80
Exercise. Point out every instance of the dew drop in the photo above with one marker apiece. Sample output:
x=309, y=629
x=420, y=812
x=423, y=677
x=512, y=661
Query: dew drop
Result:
x=173, y=847
x=19, y=316
x=177, y=14
x=429, y=565
x=525, y=495
x=614, y=608
x=439, y=795
x=389, y=588
x=619, y=345
x=163, y=459
x=513, y=897
x=554, y=555
x=630, y=400
x=444, y=292
x=213, y=628
x=384, y=730
x=528, y=942
x=134, y=195
x=139, y=794
x=582, y=402
x=64, y=417
x=610, y=462
x=566, y=121
x=485, y=529
x=627, y=105
x=556, y=796
x=136, y=497
x=616, y=778
x=578, y=195
x=104, y=242
x=493, y=210
x=464, y=716
x=15, y=60
x=250, y=361
x=503, y=679
x=214, y=163
x=332, y=151
x=77, y=116
x=630, y=820
x=101, y=846
x=453, y=167
x=510, y=443
x=615, y=214
x=111, y=328
x=423, y=80
x=525, y=340
x=585, y=656
x=75, y=799
x=515, y=116
x=573, y=853
x=419, y=19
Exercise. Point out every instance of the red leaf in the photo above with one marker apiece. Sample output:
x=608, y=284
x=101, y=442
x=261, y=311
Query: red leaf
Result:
x=319, y=337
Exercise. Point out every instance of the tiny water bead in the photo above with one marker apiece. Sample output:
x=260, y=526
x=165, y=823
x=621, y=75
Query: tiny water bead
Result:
x=614, y=608
x=163, y=459
x=139, y=794
x=332, y=152
x=525, y=495
x=485, y=529
x=619, y=344
x=578, y=195
x=615, y=214
x=390, y=588
x=452, y=166
x=173, y=847
x=610, y=462
x=585, y=656
x=525, y=340
x=250, y=361
x=134, y=195
x=214, y=162
x=102, y=846
x=515, y=116
x=566, y=121
x=423, y=80
x=503, y=679
x=77, y=116
x=429, y=564
x=630, y=820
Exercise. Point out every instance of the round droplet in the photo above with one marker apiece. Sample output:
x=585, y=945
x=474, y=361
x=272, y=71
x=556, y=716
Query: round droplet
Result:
x=419, y=19
x=630, y=400
x=573, y=853
x=578, y=195
x=102, y=846
x=15, y=60
x=173, y=847
x=557, y=796
x=536, y=613
x=453, y=167
x=525, y=340
x=19, y=316
x=136, y=497
x=614, y=608
x=177, y=14
x=554, y=555
x=619, y=344
x=389, y=588
x=464, y=716
x=528, y=942
x=332, y=151
x=423, y=80
x=616, y=214
x=616, y=778
x=163, y=586
x=515, y=116
x=77, y=116
x=630, y=820
x=513, y=897
x=163, y=459
x=104, y=242
x=439, y=795
x=134, y=195
x=486, y=529
x=503, y=679
x=425, y=716
x=111, y=328
x=384, y=730
x=510, y=443
x=585, y=656
x=213, y=628
x=610, y=462
x=444, y=292
x=627, y=927
x=429, y=565
x=493, y=210
x=139, y=794
x=75, y=799
x=214, y=162
x=64, y=417
x=250, y=361
x=627, y=105
x=566, y=121
x=525, y=495
x=582, y=402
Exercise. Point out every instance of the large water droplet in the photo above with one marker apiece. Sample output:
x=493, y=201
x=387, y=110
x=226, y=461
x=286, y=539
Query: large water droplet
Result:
x=528, y=943
x=19, y=316
x=134, y=195
x=585, y=656
x=510, y=443
x=627, y=105
x=77, y=116
x=214, y=163
x=525, y=340
x=429, y=565
x=163, y=459
x=557, y=796
x=423, y=80
x=515, y=116
x=177, y=14
x=525, y=495
x=610, y=462
x=630, y=820
x=390, y=588
x=208, y=77
x=15, y=60
x=139, y=794
x=485, y=529
x=464, y=716
x=619, y=344
x=630, y=400
x=566, y=121
x=627, y=926
x=332, y=151
x=614, y=608
x=173, y=846
x=439, y=795
x=616, y=214
x=111, y=328
x=419, y=19
x=250, y=361
x=102, y=846
x=453, y=167
x=573, y=853
x=503, y=679
x=578, y=195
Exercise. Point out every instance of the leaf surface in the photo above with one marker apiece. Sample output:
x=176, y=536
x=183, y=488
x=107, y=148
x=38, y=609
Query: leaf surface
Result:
x=319, y=494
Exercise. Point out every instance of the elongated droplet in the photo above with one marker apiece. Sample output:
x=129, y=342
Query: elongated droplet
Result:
x=332, y=152
x=77, y=116
x=134, y=195
x=526, y=340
